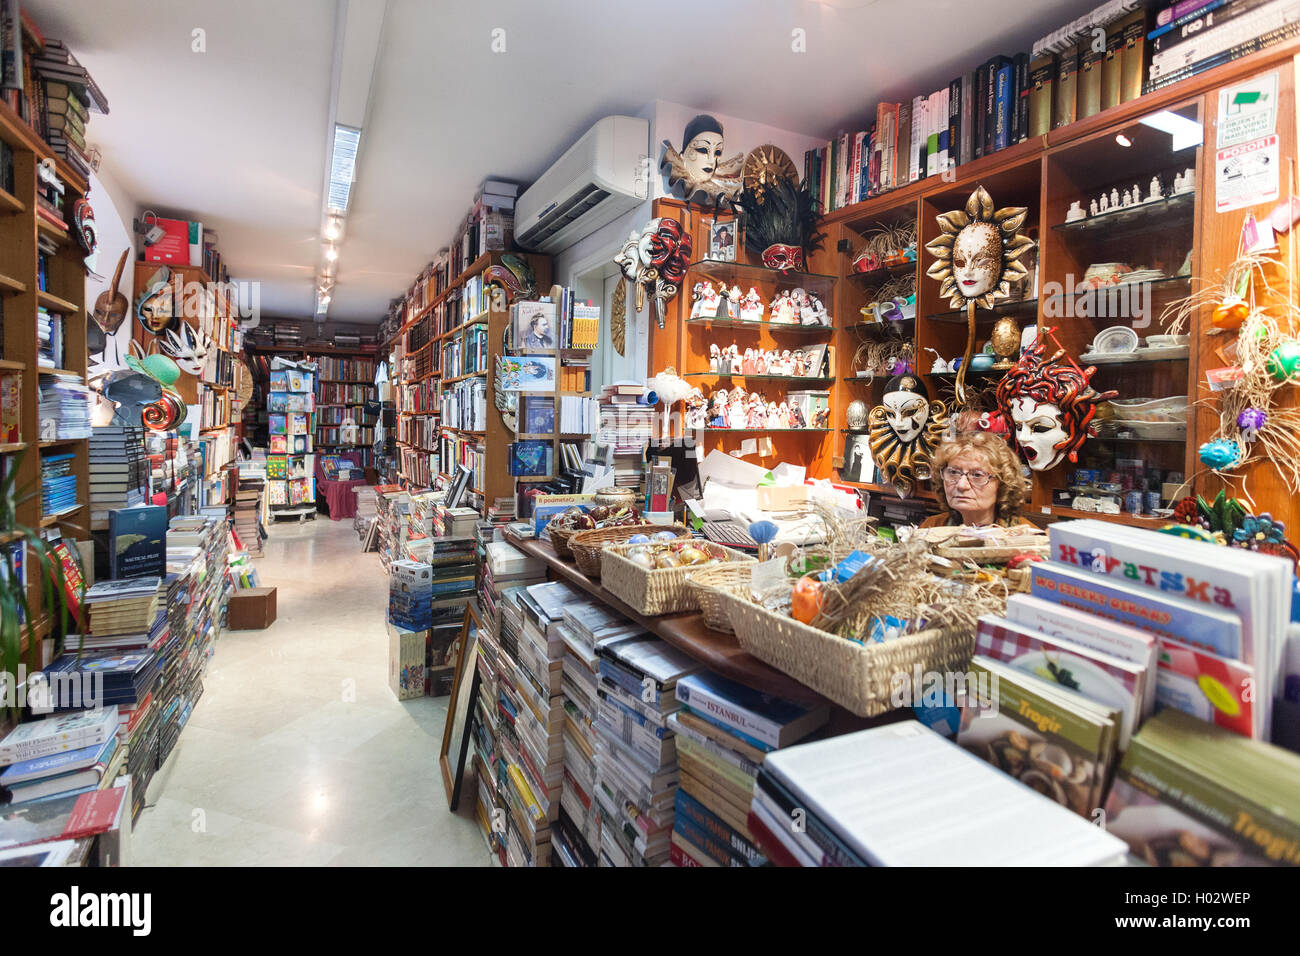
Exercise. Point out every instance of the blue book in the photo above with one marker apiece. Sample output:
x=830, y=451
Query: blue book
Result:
x=64, y=784
x=68, y=761
x=1147, y=609
x=1002, y=108
x=137, y=542
x=737, y=846
x=767, y=722
x=752, y=741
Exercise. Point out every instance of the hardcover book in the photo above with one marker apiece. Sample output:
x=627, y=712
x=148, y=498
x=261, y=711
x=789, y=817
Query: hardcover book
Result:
x=137, y=542
x=774, y=721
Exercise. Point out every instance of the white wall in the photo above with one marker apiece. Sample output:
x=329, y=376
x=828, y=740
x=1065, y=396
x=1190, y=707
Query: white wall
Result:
x=113, y=212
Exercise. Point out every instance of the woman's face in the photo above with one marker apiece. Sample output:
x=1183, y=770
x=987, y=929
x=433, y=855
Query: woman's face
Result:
x=1039, y=430
x=977, y=259
x=963, y=496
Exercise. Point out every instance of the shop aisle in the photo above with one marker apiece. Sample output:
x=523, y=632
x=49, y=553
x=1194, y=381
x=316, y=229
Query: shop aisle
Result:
x=298, y=753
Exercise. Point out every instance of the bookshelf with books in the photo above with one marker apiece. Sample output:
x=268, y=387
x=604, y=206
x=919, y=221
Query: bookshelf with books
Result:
x=290, y=460
x=345, y=386
x=43, y=359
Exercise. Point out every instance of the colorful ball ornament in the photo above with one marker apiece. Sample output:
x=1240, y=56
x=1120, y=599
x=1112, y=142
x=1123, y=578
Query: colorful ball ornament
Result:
x=1250, y=421
x=1229, y=315
x=1220, y=453
x=1284, y=361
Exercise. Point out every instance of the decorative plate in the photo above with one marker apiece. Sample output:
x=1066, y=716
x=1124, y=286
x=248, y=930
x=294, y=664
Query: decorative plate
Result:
x=1116, y=339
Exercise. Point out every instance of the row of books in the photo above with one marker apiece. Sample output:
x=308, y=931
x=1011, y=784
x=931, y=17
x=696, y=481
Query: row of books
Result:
x=466, y=353
x=418, y=397
x=335, y=414
x=333, y=393
x=464, y=404
x=1196, y=37
x=58, y=483
x=548, y=324
x=49, y=338
x=333, y=369
x=340, y=437
x=290, y=445
x=465, y=450
x=417, y=467
x=421, y=432
x=119, y=471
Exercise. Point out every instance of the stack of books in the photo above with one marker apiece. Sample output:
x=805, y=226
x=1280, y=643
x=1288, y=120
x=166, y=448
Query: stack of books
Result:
x=61, y=755
x=119, y=475
x=636, y=754
x=1192, y=37
x=248, y=510
x=65, y=407
x=455, y=522
x=587, y=627
x=454, y=568
x=723, y=732
x=58, y=483
x=505, y=566
x=410, y=595
x=66, y=97
x=1190, y=794
x=530, y=746
x=49, y=339
x=903, y=795
x=127, y=677
x=627, y=427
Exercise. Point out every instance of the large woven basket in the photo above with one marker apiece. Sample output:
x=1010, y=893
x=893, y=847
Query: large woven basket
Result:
x=733, y=577
x=560, y=541
x=658, y=591
x=858, y=677
x=587, y=545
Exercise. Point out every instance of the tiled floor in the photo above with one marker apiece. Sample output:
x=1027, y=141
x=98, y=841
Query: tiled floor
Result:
x=298, y=753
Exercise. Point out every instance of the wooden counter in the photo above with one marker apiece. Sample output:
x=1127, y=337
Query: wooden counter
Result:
x=686, y=632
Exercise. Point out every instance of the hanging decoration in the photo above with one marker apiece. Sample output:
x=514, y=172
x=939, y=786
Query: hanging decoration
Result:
x=111, y=305
x=83, y=224
x=780, y=218
x=655, y=262
x=155, y=307
x=903, y=432
x=618, y=318
x=1049, y=405
x=507, y=402
x=977, y=257
x=704, y=176
x=513, y=276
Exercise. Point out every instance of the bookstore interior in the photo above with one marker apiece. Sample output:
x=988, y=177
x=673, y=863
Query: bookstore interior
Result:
x=432, y=451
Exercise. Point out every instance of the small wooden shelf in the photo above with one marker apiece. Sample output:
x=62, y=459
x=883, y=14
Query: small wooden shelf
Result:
x=809, y=379
x=1156, y=216
x=50, y=229
x=50, y=520
x=773, y=327
x=1137, y=521
x=13, y=446
x=461, y=378
x=10, y=205
x=1022, y=307
x=55, y=303
x=7, y=536
x=55, y=442
x=919, y=494
x=9, y=365
x=59, y=371
x=885, y=272
x=480, y=319
x=10, y=286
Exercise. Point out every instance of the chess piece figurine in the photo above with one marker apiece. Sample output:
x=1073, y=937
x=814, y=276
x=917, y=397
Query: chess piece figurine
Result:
x=1114, y=198
x=1075, y=212
x=1092, y=207
x=1105, y=203
x=1156, y=192
x=1127, y=199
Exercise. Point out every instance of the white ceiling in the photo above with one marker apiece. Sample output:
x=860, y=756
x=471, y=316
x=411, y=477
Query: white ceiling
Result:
x=236, y=136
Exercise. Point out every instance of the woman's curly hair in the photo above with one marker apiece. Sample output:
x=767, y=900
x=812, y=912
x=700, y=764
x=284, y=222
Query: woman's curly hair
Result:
x=1013, y=486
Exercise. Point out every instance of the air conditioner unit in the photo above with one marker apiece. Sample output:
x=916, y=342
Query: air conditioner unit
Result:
x=600, y=177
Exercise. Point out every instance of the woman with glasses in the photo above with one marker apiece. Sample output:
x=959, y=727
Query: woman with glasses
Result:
x=980, y=482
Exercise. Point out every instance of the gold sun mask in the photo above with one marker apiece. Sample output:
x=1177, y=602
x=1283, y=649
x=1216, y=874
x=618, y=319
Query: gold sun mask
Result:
x=977, y=255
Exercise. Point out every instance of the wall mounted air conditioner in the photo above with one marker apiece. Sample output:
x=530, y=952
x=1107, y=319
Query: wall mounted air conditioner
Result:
x=601, y=176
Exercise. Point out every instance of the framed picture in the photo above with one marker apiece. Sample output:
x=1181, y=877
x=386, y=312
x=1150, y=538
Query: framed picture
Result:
x=534, y=325
x=722, y=241
x=460, y=709
x=815, y=359
x=857, y=458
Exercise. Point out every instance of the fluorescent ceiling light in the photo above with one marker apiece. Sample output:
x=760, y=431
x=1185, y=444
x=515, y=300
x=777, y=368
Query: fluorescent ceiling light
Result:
x=331, y=253
x=343, y=165
x=1185, y=132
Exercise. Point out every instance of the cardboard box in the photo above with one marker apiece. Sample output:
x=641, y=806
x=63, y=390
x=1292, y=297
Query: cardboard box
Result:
x=406, y=672
x=782, y=498
x=251, y=609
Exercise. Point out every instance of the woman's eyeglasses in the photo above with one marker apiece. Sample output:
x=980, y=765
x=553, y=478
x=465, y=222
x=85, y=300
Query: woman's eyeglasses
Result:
x=977, y=479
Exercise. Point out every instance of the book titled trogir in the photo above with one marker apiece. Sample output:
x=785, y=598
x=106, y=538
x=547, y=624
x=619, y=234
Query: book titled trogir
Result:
x=766, y=722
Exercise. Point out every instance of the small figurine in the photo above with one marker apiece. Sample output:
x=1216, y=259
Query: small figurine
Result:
x=1137, y=195
x=696, y=410
x=813, y=311
x=1114, y=198
x=782, y=309
x=715, y=359
x=747, y=363
x=708, y=301
x=1127, y=199
x=737, y=412
x=1092, y=208
x=774, y=417
x=800, y=366
x=751, y=307
x=1156, y=191
x=697, y=294
x=1075, y=212
x=1105, y=203
x=735, y=366
x=718, y=409
x=795, y=414
x=757, y=414
x=821, y=418
x=760, y=364
x=736, y=299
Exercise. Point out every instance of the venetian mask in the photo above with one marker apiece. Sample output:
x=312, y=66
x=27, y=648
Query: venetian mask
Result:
x=656, y=261
x=1049, y=405
x=977, y=254
x=699, y=167
x=904, y=431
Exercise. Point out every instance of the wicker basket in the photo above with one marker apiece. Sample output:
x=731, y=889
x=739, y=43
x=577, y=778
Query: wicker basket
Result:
x=658, y=591
x=733, y=577
x=587, y=545
x=858, y=677
x=560, y=541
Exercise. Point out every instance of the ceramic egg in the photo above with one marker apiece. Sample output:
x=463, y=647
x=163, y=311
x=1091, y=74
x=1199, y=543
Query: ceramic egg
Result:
x=639, y=539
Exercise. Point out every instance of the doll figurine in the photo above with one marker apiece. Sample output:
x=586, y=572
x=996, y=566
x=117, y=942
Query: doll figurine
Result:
x=736, y=364
x=715, y=359
x=760, y=363
x=787, y=362
x=751, y=307
x=757, y=414
x=696, y=410
x=795, y=414
x=816, y=313
x=747, y=364
x=821, y=418
x=697, y=300
x=708, y=301
x=774, y=417
x=737, y=411
x=782, y=309
x=800, y=366
x=718, y=409
x=735, y=299
x=724, y=308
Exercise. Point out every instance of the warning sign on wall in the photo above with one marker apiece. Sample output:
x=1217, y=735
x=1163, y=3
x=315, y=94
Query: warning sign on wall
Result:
x=1246, y=174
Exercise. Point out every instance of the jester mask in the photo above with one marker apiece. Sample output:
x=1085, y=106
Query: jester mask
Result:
x=904, y=430
x=655, y=261
x=704, y=175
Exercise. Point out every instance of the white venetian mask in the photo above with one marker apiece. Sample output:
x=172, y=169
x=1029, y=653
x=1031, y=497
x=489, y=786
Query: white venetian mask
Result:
x=702, y=155
x=977, y=259
x=1039, y=429
x=906, y=413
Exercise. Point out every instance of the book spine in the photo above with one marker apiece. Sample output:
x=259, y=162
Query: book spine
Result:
x=1265, y=27
x=954, y=123
x=748, y=738
x=1194, y=9
x=1229, y=56
x=731, y=716
x=703, y=840
x=1002, y=128
x=1066, y=108
x=777, y=796
x=1022, y=97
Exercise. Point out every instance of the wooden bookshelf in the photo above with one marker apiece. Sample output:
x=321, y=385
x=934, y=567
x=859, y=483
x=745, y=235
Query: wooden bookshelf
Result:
x=20, y=226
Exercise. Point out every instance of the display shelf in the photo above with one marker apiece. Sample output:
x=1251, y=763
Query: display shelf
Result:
x=815, y=283
x=920, y=494
x=11, y=286
x=896, y=328
x=480, y=319
x=809, y=379
x=1137, y=521
x=10, y=204
x=51, y=230
x=57, y=442
x=54, y=302
x=11, y=447
x=1134, y=358
x=48, y=521
x=1156, y=285
x=723, y=431
x=884, y=272
x=461, y=378
x=776, y=328
x=11, y=365
x=1021, y=308
x=1154, y=216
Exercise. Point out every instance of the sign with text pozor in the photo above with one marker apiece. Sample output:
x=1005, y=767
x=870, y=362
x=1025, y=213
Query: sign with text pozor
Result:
x=1247, y=174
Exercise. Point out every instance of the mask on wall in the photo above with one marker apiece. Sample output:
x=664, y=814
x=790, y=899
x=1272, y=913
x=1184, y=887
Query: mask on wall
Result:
x=705, y=176
x=904, y=430
x=656, y=261
x=1049, y=407
x=513, y=275
x=977, y=257
x=111, y=305
x=155, y=307
x=83, y=222
x=780, y=217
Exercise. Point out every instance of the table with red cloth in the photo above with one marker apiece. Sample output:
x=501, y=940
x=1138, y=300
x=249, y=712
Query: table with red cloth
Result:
x=340, y=498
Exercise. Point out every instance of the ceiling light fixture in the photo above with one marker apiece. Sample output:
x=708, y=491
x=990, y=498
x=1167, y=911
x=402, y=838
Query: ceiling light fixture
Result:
x=1184, y=132
x=331, y=253
x=334, y=228
x=343, y=167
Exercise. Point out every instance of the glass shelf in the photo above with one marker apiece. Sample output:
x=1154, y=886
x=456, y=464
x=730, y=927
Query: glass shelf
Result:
x=885, y=272
x=810, y=379
x=1155, y=216
x=773, y=327
x=893, y=328
x=1027, y=307
x=1100, y=292
x=820, y=285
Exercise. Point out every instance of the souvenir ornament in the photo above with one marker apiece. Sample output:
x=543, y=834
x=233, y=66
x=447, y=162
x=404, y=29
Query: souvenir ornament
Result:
x=155, y=307
x=507, y=402
x=83, y=222
x=1250, y=421
x=1229, y=314
x=656, y=260
x=780, y=217
x=184, y=345
x=704, y=175
x=513, y=276
x=1284, y=361
x=903, y=432
x=1220, y=454
x=977, y=257
x=1049, y=406
x=856, y=415
x=111, y=305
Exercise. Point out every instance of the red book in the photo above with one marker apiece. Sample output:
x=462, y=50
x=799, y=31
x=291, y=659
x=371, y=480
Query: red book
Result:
x=773, y=848
x=95, y=812
x=680, y=858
